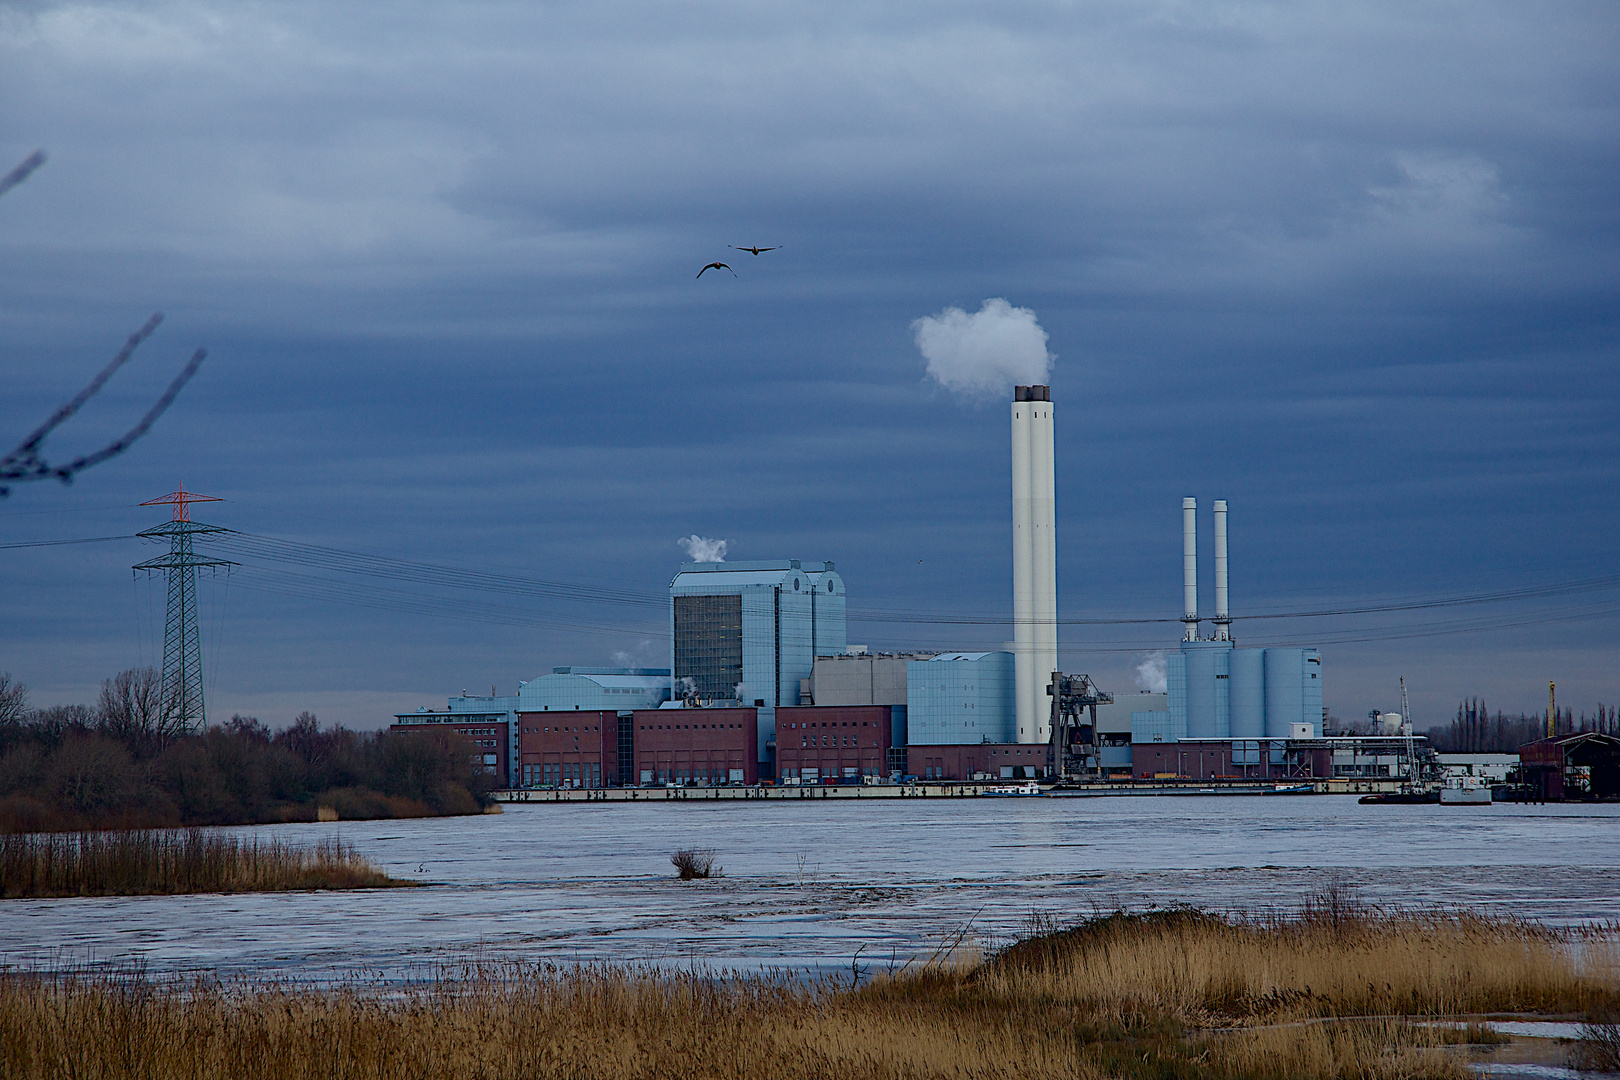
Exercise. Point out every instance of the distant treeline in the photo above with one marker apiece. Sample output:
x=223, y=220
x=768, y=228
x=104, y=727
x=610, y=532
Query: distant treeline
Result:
x=1476, y=731
x=119, y=765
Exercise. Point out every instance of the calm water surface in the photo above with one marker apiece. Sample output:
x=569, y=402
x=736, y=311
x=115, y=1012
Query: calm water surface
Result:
x=811, y=884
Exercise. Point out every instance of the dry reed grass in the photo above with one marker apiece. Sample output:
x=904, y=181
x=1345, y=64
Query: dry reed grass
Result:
x=1214, y=969
x=162, y=862
x=1024, y=1013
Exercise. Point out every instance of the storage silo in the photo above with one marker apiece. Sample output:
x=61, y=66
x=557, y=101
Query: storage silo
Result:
x=1202, y=691
x=1247, y=686
x=1285, y=691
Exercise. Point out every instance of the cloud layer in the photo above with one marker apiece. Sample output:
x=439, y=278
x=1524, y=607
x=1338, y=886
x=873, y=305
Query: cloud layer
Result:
x=1350, y=267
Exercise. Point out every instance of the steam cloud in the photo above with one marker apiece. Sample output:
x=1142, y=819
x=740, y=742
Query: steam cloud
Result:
x=702, y=549
x=1150, y=674
x=982, y=354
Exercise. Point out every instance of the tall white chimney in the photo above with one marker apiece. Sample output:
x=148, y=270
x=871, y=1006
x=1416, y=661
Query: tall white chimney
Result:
x=1223, y=616
x=1034, y=562
x=1189, y=567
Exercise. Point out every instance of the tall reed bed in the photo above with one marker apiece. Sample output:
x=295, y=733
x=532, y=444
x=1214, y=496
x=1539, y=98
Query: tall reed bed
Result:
x=144, y=862
x=1021, y=1013
x=1218, y=969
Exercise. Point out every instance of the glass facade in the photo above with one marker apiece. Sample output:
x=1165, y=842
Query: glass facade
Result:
x=709, y=644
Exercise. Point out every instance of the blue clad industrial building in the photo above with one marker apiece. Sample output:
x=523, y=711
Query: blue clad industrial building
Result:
x=746, y=633
x=960, y=698
x=595, y=688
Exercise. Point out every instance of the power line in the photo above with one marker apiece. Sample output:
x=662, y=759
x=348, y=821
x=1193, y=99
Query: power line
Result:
x=328, y=560
x=59, y=543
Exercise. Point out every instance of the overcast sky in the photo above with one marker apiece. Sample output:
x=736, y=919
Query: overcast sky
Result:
x=1350, y=266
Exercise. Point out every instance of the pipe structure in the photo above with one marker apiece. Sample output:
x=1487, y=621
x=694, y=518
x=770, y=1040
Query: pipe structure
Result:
x=1189, y=567
x=1034, y=562
x=1223, y=616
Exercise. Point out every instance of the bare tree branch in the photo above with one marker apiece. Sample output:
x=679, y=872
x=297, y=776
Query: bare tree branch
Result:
x=24, y=463
x=27, y=449
x=22, y=172
x=66, y=472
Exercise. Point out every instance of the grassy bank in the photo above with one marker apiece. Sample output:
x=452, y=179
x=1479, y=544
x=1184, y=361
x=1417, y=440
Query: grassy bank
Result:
x=146, y=863
x=1162, y=996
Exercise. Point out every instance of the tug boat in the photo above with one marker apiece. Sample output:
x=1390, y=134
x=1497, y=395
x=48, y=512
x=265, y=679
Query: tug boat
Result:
x=1028, y=787
x=1465, y=791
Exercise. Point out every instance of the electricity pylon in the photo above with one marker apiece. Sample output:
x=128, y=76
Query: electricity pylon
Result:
x=183, y=711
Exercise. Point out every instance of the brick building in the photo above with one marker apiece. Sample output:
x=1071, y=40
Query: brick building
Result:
x=816, y=743
x=973, y=761
x=570, y=749
x=490, y=735
x=1191, y=759
x=695, y=746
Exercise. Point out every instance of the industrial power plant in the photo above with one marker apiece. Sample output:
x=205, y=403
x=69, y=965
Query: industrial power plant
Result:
x=763, y=688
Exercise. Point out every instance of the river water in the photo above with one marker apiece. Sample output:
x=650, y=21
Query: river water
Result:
x=811, y=885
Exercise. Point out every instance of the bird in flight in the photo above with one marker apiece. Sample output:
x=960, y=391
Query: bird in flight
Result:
x=716, y=266
x=752, y=250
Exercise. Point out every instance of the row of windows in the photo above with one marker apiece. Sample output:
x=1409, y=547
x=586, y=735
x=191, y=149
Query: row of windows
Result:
x=476, y=731
x=810, y=772
x=844, y=723
x=810, y=740
x=692, y=776
x=538, y=730
x=564, y=774
x=686, y=727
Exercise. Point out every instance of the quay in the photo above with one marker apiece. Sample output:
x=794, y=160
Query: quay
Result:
x=985, y=789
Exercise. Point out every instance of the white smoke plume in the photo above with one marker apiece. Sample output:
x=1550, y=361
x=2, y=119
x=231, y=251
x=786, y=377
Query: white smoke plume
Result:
x=702, y=549
x=643, y=655
x=982, y=354
x=1150, y=673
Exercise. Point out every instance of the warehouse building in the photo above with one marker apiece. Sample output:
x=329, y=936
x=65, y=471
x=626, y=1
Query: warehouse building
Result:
x=979, y=761
x=572, y=749
x=819, y=743
x=1583, y=765
x=490, y=723
x=695, y=746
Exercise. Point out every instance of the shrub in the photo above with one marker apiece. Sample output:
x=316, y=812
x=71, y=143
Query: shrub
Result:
x=693, y=863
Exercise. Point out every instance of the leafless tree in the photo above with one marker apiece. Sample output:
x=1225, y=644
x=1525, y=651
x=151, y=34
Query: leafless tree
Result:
x=13, y=699
x=25, y=463
x=131, y=707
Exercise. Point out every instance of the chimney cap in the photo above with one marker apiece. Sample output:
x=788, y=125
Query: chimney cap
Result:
x=1032, y=393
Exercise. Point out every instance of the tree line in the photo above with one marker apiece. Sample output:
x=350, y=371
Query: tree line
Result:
x=122, y=764
x=1475, y=731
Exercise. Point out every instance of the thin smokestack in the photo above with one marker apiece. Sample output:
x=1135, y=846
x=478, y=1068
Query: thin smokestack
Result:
x=1189, y=567
x=1223, y=616
x=1034, y=562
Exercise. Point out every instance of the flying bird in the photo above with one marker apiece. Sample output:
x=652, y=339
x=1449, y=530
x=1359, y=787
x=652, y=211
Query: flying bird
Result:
x=716, y=266
x=752, y=250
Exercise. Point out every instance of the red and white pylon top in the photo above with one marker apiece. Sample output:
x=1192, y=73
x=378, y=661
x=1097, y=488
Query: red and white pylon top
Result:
x=181, y=500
